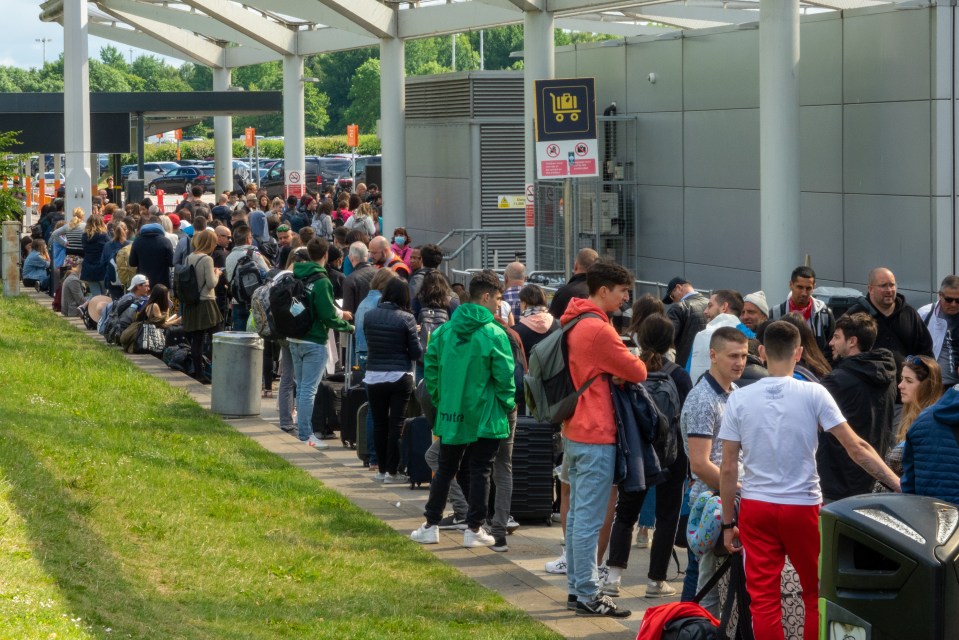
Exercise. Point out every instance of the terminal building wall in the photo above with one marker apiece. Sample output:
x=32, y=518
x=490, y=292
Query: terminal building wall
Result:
x=877, y=131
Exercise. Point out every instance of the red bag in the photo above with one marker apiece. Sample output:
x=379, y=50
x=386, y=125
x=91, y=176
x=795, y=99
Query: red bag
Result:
x=656, y=618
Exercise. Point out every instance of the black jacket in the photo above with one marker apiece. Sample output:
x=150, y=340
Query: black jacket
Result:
x=903, y=332
x=864, y=387
x=337, y=278
x=392, y=342
x=754, y=371
x=152, y=255
x=575, y=288
x=688, y=320
x=357, y=285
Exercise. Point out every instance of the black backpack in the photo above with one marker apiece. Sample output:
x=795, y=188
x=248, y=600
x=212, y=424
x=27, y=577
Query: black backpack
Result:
x=270, y=250
x=429, y=321
x=186, y=285
x=122, y=313
x=246, y=278
x=662, y=389
x=290, y=305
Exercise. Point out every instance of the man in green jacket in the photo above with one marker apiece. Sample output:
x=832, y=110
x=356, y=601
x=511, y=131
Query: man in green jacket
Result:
x=468, y=370
x=309, y=353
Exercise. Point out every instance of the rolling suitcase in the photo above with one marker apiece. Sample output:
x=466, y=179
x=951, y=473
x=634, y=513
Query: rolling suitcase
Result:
x=328, y=404
x=417, y=438
x=362, y=436
x=354, y=395
x=532, y=471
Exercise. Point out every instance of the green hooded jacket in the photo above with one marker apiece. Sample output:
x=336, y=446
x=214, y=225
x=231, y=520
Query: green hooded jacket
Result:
x=468, y=370
x=321, y=304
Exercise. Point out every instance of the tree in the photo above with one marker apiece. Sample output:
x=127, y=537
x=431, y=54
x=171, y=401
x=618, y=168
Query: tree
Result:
x=104, y=77
x=336, y=72
x=11, y=204
x=111, y=56
x=498, y=44
x=364, y=96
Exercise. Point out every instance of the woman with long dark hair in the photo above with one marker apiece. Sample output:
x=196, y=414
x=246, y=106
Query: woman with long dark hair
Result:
x=393, y=345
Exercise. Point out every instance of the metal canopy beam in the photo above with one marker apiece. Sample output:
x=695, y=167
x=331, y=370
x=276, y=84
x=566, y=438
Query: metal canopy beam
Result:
x=197, y=49
x=453, y=18
x=623, y=29
x=136, y=39
x=266, y=32
x=327, y=39
x=373, y=17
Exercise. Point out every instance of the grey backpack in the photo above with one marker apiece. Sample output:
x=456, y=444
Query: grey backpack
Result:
x=550, y=394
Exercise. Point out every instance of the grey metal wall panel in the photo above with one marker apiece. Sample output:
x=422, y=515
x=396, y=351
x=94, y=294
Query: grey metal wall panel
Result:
x=721, y=228
x=565, y=64
x=438, y=150
x=721, y=71
x=660, y=148
x=821, y=233
x=665, y=59
x=501, y=166
x=894, y=232
x=659, y=212
x=820, y=148
x=710, y=277
x=498, y=95
x=941, y=154
x=654, y=270
x=887, y=148
x=943, y=238
x=608, y=66
x=721, y=148
x=820, y=75
x=440, y=97
x=436, y=205
x=886, y=57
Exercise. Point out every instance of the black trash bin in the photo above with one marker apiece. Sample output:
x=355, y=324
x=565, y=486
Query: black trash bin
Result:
x=889, y=569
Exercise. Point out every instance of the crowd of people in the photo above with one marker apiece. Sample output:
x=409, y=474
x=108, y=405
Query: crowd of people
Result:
x=781, y=407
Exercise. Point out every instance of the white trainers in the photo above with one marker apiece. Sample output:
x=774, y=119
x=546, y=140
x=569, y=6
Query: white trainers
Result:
x=611, y=588
x=316, y=443
x=380, y=476
x=426, y=535
x=659, y=589
x=478, y=539
x=557, y=566
x=642, y=538
x=395, y=478
x=511, y=525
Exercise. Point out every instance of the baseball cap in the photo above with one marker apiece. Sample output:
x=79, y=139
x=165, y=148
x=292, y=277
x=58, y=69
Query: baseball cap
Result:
x=137, y=280
x=174, y=220
x=675, y=282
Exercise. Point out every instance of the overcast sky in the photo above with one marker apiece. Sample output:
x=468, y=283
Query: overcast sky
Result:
x=18, y=47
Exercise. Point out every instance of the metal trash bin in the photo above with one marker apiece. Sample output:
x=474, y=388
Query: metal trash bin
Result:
x=237, y=374
x=890, y=569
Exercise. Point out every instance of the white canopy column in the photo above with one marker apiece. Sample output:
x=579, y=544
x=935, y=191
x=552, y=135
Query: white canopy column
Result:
x=393, y=132
x=76, y=108
x=294, y=125
x=538, y=64
x=222, y=136
x=778, y=143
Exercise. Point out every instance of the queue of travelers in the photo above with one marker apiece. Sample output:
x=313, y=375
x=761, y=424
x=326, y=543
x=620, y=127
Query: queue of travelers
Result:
x=775, y=395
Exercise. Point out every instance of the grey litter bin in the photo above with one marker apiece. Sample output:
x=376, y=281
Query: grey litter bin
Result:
x=890, y=569
x=237, y=374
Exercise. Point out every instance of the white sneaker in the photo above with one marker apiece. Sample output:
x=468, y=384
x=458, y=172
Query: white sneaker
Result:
x=426, y=535
x=611, y=589
x=659, y=589
x=316, y=443
x=603, y=574
x=511, y=525
x=380, y=476
x=557, y=566
x=395, y=478
x=642, y=538
x=478, y=539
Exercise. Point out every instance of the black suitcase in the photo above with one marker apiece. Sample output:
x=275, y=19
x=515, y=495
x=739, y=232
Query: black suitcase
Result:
x=532, y=471
x=354, y=395
x=417, y=438
x=363, y=443
x=328, y=404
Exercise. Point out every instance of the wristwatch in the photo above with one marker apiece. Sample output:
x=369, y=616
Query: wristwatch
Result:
x=725, y=526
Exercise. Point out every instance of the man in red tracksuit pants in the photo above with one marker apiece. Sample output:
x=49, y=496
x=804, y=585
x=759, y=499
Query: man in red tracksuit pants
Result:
x=774, y=422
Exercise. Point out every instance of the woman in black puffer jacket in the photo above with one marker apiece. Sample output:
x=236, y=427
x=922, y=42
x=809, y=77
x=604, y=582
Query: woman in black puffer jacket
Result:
x=393, y=346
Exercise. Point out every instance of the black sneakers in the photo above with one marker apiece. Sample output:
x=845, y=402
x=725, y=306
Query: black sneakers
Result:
x=571, y=601
x=601, y=606
x=451, y=522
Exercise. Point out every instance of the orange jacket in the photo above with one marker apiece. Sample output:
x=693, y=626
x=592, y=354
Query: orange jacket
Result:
x=596, y=348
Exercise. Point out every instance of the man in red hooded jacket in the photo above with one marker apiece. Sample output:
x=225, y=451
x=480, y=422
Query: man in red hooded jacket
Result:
x=595, y=349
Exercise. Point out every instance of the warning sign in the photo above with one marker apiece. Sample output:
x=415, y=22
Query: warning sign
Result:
x=567, y=159
x=511, y=202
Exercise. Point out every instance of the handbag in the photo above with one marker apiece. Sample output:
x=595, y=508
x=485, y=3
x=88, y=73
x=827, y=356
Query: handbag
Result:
x=149, y=339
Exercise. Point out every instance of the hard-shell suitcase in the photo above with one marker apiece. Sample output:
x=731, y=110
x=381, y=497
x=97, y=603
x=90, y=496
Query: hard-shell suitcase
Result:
x=417, y=438
x=532, y=471
x=328, y=404
x=363, y=441
x=354, y=395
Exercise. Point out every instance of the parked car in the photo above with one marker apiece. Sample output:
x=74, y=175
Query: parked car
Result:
x=151, y=170
x=316, y=175
x=182, y=179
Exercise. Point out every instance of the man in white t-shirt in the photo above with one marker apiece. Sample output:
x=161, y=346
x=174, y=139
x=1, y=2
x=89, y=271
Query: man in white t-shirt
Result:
x=774, y=422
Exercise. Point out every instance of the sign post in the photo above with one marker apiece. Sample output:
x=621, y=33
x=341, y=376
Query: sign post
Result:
x=249, y=141
x=353, y=141
x=178, y=134
x=566, y=142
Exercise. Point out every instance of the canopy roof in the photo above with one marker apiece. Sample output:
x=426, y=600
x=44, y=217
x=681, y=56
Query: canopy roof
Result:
x=229, y=34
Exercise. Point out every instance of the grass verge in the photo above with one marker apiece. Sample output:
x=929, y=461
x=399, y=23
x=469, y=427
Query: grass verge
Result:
x=126, y=510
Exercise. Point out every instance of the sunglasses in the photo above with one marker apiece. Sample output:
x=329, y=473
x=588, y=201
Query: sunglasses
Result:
x=947, y=299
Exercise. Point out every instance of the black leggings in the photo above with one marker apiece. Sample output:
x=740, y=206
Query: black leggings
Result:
x=388, y=402
x=197, y=340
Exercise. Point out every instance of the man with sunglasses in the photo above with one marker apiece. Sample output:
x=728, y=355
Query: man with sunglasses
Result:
x=942, y=320
x=900, y=329
x=863, y=384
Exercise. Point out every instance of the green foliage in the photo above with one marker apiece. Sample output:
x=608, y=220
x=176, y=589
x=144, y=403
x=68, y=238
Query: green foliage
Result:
x=336, y=72
x=315, y=146
x=364, y=108
x=11, y=203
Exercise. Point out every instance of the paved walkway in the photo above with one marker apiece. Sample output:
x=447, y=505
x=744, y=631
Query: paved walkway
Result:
x=517, y=575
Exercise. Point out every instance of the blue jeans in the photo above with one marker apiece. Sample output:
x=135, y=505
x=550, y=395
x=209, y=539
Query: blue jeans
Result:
x=95, y=287
x=309, y=361
x=590, y=478
x=647, y=515
x=241, y=313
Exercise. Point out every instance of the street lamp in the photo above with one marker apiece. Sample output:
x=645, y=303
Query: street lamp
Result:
x=43, y=42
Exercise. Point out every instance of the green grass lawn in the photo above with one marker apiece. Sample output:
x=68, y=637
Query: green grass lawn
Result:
x=126, y=510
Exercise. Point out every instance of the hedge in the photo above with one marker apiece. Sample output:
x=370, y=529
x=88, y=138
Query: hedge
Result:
x=318, y=146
